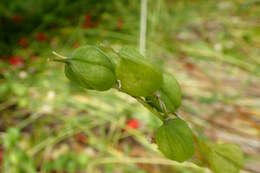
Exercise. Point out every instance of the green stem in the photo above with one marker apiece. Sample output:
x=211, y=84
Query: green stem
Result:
x=144, y=160
x=59, y=55
x=62, y=58
x=29, y=120
x=151, y=109
x=162, y=105
x=162, y=117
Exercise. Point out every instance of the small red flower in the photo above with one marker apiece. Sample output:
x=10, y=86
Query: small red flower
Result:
x=120, y=24
x=82, y=138
x=16, y=60
x=41, y=37
x=23, y=42
x=133, y=123
x=189, y=66
x=88, y=22
x=17, y=18
x=33, y=57
x=75, y=45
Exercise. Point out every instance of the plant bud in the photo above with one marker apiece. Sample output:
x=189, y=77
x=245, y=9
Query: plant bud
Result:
x=90, y=68
x=138, y=76
x=169, y=94
x=174, y=139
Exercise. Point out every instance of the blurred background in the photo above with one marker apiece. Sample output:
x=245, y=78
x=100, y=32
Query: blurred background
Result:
x=49, y=125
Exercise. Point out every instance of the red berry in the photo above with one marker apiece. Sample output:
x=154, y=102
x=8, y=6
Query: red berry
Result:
x=23, y=42
x=41, y=37
x=133, y=123
x=16, y=60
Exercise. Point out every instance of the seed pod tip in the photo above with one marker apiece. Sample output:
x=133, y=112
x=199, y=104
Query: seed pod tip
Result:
x=62, y=58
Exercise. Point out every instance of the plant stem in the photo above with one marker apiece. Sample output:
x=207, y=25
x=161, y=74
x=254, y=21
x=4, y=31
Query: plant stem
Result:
x=29, y=120
x=151, y=109
x=162, y=117
x=59, y=55
x=61, y=58
x=162, y=105
x=157, y=161
x=143, y=26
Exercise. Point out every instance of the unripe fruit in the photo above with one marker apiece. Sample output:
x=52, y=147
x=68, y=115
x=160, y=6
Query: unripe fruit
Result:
x=90, y=68
x=169, y=93
x=174, y=139
x=138, y=76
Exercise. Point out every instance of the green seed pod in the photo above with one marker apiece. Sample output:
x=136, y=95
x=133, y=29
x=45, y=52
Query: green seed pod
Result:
x=111, y=54
x=174, y=139
x=223, y=157
x=138, y=76
x=169, y=93
x=90, y=68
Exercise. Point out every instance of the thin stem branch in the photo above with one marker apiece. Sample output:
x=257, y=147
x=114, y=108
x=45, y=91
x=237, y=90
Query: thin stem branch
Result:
x=156, y=161
x=61, y=58
x=146, y=105
x=29, y=120
x=151, y=109
x=162, y=105
x=59, y=55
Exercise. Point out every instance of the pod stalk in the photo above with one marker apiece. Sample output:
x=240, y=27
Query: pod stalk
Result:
x=61, y=58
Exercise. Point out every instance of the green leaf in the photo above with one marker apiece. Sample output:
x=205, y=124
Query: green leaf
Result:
x=138, y=76
x=174, y=139
x=170, y=94
x=222, y=158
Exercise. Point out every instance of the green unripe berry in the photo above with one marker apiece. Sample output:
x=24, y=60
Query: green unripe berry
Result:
x=138, y=76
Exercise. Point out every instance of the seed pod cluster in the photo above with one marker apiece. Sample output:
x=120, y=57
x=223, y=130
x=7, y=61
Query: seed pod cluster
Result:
x=97, y=69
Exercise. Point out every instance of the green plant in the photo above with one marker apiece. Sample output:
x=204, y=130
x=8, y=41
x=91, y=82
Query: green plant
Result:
x=139, y=78
x=15, y=158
